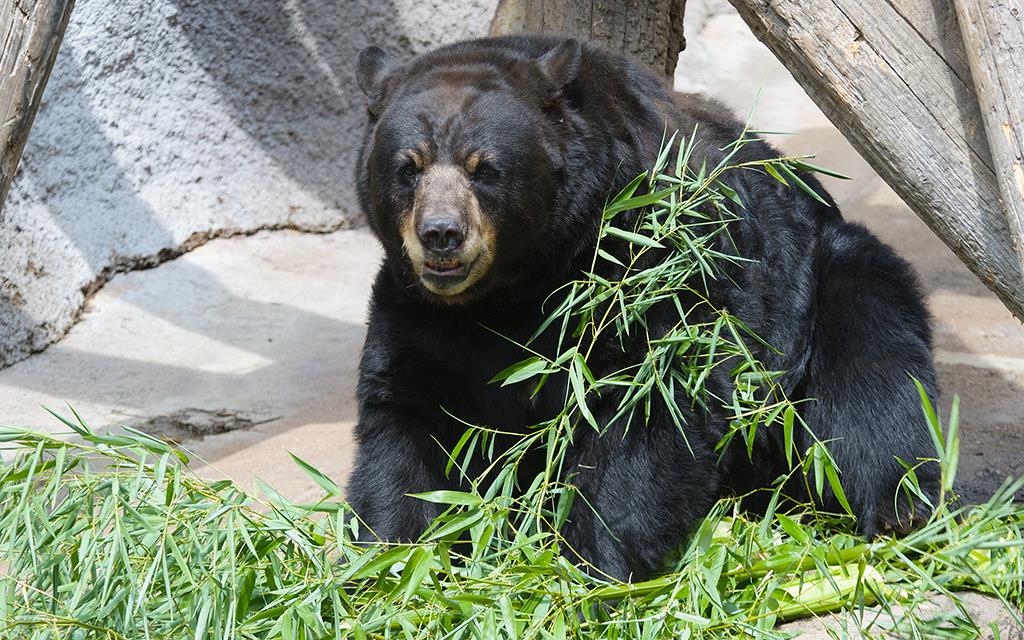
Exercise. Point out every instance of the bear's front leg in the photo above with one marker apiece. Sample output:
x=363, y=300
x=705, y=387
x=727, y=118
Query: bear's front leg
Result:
x=639, y=493
x=395, y=457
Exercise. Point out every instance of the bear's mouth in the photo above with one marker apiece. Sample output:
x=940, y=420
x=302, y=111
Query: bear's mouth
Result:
x=448, y=276
x=445, y=267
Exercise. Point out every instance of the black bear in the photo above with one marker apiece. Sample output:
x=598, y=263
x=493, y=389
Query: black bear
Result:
x=484, y=171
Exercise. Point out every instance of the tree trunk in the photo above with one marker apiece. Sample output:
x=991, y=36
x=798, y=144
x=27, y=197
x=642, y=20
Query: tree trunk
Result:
x=993, y=34
x=32, y=31
x=892, y=76
x=651, y=31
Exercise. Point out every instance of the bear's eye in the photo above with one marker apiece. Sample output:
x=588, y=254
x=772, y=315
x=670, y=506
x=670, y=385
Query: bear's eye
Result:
x=408, y=171
x=485, y=172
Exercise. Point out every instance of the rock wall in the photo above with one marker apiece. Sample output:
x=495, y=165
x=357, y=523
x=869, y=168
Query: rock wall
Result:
x=169, y=122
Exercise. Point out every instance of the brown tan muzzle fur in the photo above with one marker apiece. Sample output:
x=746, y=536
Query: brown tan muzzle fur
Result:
x=445, y=199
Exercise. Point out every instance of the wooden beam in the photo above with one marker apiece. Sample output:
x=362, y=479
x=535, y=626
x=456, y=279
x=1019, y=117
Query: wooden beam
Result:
x=650, y=30
x=890, y=75
x=993, y=33
x=32, y=31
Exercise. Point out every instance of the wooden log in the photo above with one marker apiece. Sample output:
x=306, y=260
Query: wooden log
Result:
x=993, y=33
x=650, y=30
x=32, y=32
x=890, y=76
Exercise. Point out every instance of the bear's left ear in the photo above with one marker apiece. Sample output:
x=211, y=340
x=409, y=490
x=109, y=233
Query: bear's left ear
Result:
x=561, y=64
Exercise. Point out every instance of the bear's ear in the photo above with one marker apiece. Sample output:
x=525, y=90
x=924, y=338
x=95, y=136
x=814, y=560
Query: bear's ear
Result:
x=372, y=65
x=561, y=64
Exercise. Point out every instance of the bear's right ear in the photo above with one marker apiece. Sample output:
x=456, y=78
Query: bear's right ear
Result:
x=372, y=64
x=561, y=64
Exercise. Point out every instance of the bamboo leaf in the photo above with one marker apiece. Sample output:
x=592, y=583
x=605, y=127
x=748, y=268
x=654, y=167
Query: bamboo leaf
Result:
x=449, y=497
x=318, y=476
x=633, y=238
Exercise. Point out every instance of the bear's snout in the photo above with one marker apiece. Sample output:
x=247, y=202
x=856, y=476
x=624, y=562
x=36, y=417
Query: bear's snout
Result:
x=441, y=233
x=447, y=238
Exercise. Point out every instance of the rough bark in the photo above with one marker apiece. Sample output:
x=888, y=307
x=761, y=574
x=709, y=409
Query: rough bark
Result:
x=32, y=31
x=993, y=33
x=891, y=75
x=651, y=31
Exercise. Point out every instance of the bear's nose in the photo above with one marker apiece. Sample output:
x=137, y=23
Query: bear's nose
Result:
x=443, y=234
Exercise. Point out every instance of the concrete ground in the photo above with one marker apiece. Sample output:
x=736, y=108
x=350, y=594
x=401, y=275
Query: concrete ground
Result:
x=246, y=348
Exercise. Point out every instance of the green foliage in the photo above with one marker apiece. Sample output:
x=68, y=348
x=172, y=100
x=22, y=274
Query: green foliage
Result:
x=110, y=536
x=118, y=540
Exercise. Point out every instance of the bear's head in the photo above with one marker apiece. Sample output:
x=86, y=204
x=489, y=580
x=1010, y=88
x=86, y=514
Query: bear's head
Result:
x=461, y=174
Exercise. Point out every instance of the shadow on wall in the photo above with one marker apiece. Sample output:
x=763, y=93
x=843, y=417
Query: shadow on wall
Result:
x=91, y=179
x=286, y=69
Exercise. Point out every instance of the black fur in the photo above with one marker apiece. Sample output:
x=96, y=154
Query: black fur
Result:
x=568, y=130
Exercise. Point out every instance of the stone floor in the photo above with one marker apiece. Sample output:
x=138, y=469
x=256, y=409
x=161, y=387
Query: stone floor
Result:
x=252, y=343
